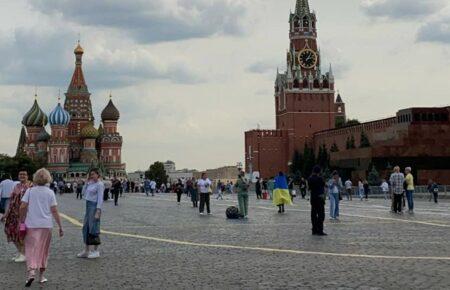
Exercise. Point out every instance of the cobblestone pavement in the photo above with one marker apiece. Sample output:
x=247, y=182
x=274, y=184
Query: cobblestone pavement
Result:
x=156, y=244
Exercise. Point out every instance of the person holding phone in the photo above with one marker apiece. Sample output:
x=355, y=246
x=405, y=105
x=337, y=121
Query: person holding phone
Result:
x=93, y=192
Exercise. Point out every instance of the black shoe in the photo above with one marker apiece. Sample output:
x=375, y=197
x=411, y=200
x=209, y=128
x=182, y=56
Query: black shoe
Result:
x=29, y=282
x=322, y=234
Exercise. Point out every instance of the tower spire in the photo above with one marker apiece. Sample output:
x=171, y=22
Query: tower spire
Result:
x=302, y=7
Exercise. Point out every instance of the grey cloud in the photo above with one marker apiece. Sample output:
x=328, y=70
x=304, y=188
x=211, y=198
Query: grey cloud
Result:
x=152, y=21
x=263, y=67
x=437, y=30
x=401, y=9
x=45, y=58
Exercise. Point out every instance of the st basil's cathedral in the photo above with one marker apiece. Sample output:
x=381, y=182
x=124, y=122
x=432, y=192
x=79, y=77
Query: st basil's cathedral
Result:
x=74, y=144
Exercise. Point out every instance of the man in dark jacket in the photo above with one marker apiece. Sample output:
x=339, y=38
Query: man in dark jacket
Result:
x=317, y=189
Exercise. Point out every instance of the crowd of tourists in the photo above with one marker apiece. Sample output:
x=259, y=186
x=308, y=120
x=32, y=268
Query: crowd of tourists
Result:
x=28, y=208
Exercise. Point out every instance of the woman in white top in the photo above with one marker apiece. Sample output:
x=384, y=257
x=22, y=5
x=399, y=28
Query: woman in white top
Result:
x=36, y=211
x=93, y=192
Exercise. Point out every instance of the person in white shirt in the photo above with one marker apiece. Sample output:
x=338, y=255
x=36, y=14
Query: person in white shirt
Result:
x=36, y=211
x=385, y=188
x=153, y=187
x=348, y=189
x=361, y=189
x=6, y=189
x=204, y=188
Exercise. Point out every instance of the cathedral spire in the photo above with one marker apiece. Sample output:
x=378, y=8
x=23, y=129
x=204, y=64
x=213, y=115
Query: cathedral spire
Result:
x=302, y=7
x=78, y=82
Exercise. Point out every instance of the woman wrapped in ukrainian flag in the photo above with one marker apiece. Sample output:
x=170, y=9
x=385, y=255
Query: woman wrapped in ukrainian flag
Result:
x=281, y=194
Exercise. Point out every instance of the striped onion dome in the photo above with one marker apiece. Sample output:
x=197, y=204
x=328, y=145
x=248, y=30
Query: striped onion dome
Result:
x=59, y=116
x=43, y=136
x=35, y=116
x=89, y=132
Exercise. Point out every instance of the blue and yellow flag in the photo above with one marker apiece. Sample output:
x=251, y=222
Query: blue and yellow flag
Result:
x=281, y=192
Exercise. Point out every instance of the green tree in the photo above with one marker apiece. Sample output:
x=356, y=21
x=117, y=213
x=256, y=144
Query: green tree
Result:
x=309, y=160
x=364, y=143
x=334, y=148
x=340, y=122
x=10, y=166
x=350, y=142
x=157, y=173
x=352, y=122
x=374, y=177
x=296, y=166
x=323, y=158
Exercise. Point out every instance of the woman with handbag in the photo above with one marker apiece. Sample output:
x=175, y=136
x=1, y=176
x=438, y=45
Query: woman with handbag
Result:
x=12, y=216
x=36, y=211
x=93, y=194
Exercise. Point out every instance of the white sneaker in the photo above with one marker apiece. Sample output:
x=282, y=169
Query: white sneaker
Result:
x=94, y=255
x=83, y=254
x=20, y=259
x=202, y=213
x=15, y=257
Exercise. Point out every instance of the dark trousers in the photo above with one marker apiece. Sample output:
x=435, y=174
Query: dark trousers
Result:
x=116, y=197
x=106, y=194
x=179, y=193
x=79, y=194
x=204, y=199
x=303, y=192
x=317, y=215
x=398, y=202
x=259, y=194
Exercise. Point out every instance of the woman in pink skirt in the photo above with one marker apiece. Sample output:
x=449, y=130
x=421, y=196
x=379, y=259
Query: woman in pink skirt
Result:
x=36, y=211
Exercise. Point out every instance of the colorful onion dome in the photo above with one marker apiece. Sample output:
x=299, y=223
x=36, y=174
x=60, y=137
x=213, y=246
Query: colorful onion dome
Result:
x=110, y=112
x=59, y=116
x=43, y=136
x=89, y=132
x=35, y=116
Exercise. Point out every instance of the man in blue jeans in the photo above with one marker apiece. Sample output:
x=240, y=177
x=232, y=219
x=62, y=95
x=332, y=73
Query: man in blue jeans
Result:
x=409, y=180
x=334, y=188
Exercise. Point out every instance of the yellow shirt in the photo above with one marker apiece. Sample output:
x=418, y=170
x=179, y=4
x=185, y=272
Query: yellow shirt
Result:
x=409, y=181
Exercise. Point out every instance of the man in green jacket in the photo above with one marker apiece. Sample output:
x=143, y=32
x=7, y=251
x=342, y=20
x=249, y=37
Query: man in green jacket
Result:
x=242, y=186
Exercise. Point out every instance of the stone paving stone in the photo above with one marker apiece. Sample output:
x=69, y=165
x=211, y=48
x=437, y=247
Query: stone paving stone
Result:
x=133, y=263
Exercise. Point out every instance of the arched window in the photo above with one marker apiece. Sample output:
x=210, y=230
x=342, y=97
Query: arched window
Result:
x=306, y=22
x=305, y=83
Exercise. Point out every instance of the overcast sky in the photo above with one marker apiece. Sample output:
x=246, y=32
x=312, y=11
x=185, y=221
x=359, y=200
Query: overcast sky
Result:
x=190, y=76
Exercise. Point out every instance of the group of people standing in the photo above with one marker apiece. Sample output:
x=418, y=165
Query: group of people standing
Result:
x=28, y=210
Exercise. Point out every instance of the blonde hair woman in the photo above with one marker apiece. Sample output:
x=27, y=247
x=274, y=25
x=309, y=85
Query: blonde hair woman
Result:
x=36, y=211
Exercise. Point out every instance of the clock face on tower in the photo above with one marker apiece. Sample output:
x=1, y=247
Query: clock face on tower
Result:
x=307, y=58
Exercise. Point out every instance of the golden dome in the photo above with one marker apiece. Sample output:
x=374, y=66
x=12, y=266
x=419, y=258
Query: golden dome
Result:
x=89, y=132
x=78, y=49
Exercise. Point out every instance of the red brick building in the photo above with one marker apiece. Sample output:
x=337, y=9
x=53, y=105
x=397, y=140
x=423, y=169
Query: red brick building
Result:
x=307, y=112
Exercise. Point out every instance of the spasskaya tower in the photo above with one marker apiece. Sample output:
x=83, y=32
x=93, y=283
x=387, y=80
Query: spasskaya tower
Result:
x=305, y=101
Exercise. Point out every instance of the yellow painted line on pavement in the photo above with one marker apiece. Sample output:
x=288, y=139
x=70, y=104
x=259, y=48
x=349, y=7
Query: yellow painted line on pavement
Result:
x=257, y=249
